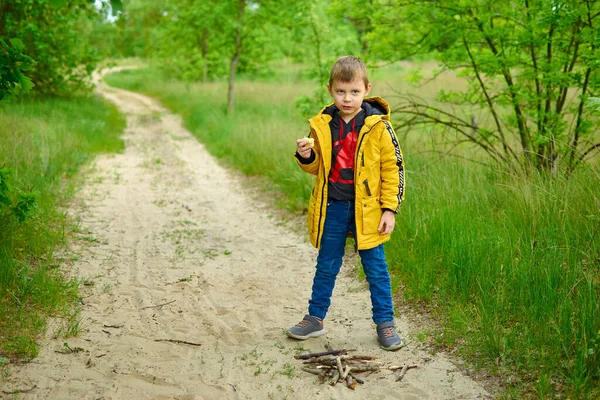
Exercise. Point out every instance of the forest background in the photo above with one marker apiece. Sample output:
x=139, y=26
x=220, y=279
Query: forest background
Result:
x=495, y=104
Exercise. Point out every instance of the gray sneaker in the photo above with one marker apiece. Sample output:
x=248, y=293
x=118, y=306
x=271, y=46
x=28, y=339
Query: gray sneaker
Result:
x=388, y=338
x=309, y=327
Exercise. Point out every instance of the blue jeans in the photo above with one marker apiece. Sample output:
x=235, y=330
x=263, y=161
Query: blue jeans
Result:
x=339, y=220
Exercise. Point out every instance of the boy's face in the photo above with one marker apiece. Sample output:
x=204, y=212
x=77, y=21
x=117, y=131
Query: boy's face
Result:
x=348, y=96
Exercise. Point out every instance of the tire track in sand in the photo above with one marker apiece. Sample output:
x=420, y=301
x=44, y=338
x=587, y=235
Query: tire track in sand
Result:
x=181, y=252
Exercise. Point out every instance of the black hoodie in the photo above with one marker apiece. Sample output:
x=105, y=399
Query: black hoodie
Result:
x=343, y=137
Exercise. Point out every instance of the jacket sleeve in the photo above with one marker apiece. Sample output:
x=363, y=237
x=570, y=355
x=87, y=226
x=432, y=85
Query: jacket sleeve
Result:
x=392, y=170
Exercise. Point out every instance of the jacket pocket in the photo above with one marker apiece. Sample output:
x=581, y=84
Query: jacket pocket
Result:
x=371, y=215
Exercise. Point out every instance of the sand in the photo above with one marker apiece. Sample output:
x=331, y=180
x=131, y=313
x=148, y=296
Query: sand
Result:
x=188, y=281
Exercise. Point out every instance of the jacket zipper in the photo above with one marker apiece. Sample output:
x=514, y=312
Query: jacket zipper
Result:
x=362, y=156
x=362, y=160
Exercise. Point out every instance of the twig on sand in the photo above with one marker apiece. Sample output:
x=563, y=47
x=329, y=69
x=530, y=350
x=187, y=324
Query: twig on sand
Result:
x=19, y=391
x=324, y=353
x=340, y=367
x=357, y=379
x=116, y=326
x=160, y=305
x=351, y=383
x=178, y=342
x=405, y=368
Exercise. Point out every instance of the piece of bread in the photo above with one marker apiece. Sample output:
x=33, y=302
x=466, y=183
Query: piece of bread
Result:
x=311, y=141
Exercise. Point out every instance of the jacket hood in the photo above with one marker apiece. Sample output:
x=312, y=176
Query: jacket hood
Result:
x=371, y=106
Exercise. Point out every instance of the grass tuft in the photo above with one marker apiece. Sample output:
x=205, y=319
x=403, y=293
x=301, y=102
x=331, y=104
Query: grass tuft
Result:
x=44, y=144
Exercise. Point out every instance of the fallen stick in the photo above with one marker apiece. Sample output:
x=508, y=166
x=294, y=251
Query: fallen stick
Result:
x=333, y=362
x=357, y=379
x=326, y=358
x=402, y=372
x=346, y=372
x=18, y=391
x=324, y=353
x=405, y=368
x=313, y=371
x=374, y=367
x=350, y=382
x=322, y=375
x=178, y=342
x=116, y=326
x=335, y=378
x=160, y=305
x=340, y=368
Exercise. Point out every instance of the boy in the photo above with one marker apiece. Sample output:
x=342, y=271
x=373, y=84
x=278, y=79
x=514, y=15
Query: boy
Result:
x=358, y=189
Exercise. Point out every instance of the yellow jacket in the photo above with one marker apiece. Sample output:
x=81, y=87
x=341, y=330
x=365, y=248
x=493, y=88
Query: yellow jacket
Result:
x=378, y=175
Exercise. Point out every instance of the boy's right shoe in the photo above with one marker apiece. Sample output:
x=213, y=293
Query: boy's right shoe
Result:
x=388, y=337
x=309, y=327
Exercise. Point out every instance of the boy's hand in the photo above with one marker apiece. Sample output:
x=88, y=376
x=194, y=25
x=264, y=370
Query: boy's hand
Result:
x=387, y=222
x=304, y=147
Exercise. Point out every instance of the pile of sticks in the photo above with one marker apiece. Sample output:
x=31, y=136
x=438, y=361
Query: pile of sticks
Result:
x=335, y=366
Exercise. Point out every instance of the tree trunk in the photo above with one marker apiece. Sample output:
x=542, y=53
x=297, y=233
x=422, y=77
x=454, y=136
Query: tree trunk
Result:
x=205, y=55
x=236, y=56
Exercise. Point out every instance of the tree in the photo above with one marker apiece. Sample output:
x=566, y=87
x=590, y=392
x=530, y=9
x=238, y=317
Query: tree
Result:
x=359, y=14
x=530, y=64
x=210, y=39
x=49, y=31
x=237, y=53
x=326, y=34
x=12, y=64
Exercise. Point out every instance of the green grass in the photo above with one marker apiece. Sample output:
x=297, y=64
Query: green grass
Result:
x=509, y=266
x=44, y=144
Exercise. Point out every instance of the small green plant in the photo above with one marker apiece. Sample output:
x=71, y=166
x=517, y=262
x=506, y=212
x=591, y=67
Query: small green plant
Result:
x=288, y=370
x=4, y=368
x=88, y=282
x=70, y=327
x=279, y=344
x=13, y=201
x=70, y=350
x=299, y=348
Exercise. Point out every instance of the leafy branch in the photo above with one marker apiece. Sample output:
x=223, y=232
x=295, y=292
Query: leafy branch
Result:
x=12, y=64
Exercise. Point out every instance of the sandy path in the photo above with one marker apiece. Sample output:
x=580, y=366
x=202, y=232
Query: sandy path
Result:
x=176, y=250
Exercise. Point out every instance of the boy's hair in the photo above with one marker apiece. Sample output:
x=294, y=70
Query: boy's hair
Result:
x=347, y=69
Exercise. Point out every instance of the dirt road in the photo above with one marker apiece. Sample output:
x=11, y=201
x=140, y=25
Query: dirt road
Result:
x=188, y=283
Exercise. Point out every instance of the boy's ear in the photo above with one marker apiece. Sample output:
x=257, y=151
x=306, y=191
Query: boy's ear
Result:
x=329, y=90
x=368, y=89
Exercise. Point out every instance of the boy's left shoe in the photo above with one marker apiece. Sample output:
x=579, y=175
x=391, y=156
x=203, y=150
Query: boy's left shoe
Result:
x=307, y=328
x=388, y=338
